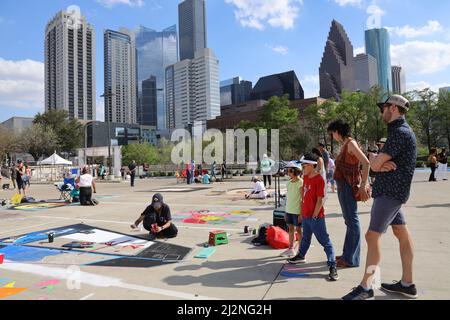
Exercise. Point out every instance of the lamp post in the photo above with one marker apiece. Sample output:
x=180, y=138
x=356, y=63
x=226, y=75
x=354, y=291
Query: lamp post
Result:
x=108, y=95
x=85, y=139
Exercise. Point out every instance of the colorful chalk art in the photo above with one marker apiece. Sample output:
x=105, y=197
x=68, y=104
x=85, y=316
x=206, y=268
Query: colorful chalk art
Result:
x=213, y=217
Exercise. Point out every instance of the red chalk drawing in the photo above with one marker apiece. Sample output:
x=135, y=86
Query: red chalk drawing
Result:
x=47, y=283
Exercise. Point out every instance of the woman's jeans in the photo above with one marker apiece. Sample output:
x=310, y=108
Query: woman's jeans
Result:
x=352, y=245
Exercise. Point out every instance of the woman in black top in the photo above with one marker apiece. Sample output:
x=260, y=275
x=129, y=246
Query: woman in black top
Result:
x=157, y=219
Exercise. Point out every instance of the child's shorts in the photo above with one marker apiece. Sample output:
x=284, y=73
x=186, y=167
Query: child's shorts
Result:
x=292, y=219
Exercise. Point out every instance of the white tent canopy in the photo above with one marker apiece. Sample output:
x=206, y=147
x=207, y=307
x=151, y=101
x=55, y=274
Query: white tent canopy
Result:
x=54, y=160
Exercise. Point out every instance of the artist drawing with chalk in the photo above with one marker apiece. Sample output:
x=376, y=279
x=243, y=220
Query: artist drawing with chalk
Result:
x=157, y=219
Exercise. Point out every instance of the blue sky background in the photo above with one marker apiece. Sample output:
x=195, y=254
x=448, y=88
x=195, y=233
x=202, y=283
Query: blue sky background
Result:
x=293, y=40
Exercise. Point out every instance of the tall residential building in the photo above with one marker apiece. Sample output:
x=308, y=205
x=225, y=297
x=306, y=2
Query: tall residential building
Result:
x=366, y=72
x=193, y=92
x=235, y=91
x=120, y=77
x=192, y=23
x=278, y=85
x=378, y=45
x=336, y=69
x=398, y=80
x=156, y=50
x=149, y=99
x=70, y=66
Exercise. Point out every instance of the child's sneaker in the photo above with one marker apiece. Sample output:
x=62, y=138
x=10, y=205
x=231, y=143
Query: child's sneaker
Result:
x=333, y=276
x=288, y=253
x=297, y=260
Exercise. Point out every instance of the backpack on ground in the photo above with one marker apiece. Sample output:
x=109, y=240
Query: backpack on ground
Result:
x=16, y=199
x=277, y=238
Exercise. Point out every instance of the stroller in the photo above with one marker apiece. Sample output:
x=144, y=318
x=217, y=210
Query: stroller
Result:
x=65, y=188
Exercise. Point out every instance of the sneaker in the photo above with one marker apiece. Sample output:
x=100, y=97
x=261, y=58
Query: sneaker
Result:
x=333, y=276
x=288, y=253
x=297, y=260
x=397, y=287
x=359, y=293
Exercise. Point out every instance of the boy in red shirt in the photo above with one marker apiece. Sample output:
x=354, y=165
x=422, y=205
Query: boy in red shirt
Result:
x=313, y=216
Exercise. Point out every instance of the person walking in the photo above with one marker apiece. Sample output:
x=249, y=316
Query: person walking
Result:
x=266, y=170
x=188, y=173
x=324, y=153
x=213, y=171
x=132, y=168
x=330, y=174
x=313, y=216
x=395, y=166
x=13, y=176
x=20, y=173
x=442, y=165
x=224, y=170
x=432, y=159
x=352, y=185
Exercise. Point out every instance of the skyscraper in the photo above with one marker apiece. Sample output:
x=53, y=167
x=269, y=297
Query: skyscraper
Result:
x=70, y=66
x=366, y=72
x=278, y=85
x=192, y=23
x=120, y=76
x=149, y=99
x=336, y=69
x=378, y=45
x=398, y=80
x=155, y=51
x=196, y=92
x=234, y=91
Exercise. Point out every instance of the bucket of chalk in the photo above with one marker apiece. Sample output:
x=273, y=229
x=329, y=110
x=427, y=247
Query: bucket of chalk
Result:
x=1, y=257
x=246, y=229
x=51, y=237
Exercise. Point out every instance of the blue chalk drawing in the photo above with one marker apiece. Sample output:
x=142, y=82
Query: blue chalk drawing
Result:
x=27, y=254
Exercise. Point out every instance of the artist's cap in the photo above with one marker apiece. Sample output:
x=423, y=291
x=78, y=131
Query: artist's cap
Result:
x=157, y=200
x=397, y=100
x=255, y=178
x=382, y=140
x=294, y=164
x=309, y=159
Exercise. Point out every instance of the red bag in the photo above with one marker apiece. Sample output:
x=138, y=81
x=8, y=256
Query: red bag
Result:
x=277, y=238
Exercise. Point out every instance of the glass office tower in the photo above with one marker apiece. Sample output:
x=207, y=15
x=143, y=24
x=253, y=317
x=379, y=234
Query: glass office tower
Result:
x=156, y=50
x=378, y=45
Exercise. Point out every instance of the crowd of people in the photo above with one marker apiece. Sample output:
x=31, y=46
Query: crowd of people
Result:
x=384, y=173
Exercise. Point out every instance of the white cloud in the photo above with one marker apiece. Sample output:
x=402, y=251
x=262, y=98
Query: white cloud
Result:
x=279, y=49
x=410, y=86
x=22, y=85
x=409, y=32
x=359, y=50
x=257, y=13
x=111, y=3
x=344, y=3
x=311, y=85
x=420, y=57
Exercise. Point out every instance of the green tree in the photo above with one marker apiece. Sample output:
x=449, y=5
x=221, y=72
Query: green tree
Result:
x=38, y=141
x=444, y=115
x=69, y=132
x=8, y=143
x=141, y=153
x=319, y=116
x=424, y=109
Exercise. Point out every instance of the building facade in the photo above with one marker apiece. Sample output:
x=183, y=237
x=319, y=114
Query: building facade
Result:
x=120, y=77
x=398, y=80
x=278, y=85
x=150, y=100
x=196, y=91
x=235, y=91
x=192, y=23
x=156, y=50
x=70, y=66
x=336, y=69
x=17, y=124
x=378, y=45
x=366, y=72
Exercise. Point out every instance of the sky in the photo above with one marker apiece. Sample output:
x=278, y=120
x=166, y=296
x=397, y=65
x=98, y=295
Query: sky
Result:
x=251, y=38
